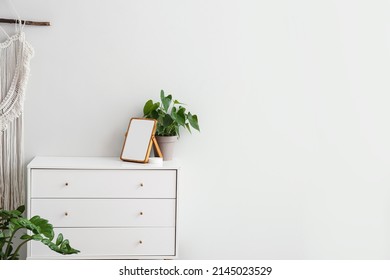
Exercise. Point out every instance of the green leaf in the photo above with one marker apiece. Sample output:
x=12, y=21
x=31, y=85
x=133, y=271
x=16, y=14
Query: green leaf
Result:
x=167, y=121
x=154, y=114
x=193, y=119
x=188, y=127
x=160, y=130
x=151, y=111
x=64, y=245
x=25, y=237
x=162, y=95
x=166, y=102
x=43, y=227
x=174, y=113
x=181, y=117
x=12, y=227
x=15, y=213
x=178, y=102
x=59, y=239
x=23, y=223
x=21, y=209
x=45, y=241
x=155, y=106
x=148, y=107
x=37, y=237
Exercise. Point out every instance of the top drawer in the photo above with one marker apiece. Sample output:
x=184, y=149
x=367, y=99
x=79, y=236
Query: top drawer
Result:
x=66, y=183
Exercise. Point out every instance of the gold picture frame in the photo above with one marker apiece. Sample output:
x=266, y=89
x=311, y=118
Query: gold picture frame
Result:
x=139, y=140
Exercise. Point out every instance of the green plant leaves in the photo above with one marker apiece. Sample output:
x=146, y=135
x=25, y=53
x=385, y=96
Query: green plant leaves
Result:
x=60, y=238
x=176, y=102
x=174, y=113
x=6, y=215
x=150, y=107
x=193, y=120
x=25, y=237
x=166, y=101
x=167, y=120
x=188, y=127
x=181, y=116
x=21, y=209
x=43, y=227
x=12, y=221
x=36, y=237
x=62, y=247
x=170, y=115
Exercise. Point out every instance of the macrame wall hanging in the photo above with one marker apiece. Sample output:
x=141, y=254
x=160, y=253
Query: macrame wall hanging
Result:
x=15, y=55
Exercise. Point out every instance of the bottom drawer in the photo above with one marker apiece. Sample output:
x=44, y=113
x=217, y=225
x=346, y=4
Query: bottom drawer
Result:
x=106, y=242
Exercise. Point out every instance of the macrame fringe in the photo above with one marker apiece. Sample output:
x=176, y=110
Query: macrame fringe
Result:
x=12, y=184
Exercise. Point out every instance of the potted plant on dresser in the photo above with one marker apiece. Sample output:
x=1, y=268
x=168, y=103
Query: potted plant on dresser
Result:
x=171, y=115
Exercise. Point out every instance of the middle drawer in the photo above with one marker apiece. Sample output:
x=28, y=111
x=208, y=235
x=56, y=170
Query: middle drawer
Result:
x=106, y=212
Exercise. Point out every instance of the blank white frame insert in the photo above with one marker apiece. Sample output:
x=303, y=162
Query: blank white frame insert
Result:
x=138, y=142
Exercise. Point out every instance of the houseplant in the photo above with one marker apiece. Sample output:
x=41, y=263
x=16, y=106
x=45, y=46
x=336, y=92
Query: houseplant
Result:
x=13, y=221
x=171, y=115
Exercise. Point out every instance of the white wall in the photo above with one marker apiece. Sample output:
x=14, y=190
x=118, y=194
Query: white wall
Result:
x=293, y=96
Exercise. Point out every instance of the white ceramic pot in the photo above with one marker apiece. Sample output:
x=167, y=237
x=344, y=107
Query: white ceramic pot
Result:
x=167, y=146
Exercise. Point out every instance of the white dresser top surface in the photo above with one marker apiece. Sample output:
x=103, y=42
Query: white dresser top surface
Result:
x=95, y=163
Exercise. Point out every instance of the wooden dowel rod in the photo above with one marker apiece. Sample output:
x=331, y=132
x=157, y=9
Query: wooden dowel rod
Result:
x=27, y=22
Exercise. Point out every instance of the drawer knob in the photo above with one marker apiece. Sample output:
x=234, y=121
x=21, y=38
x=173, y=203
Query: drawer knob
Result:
x=66, y=213
x=66, y=184
x=141, y=213
x=142, y=184
x=140, y=242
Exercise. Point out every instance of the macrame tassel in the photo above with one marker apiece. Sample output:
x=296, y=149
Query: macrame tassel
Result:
x=15, y=55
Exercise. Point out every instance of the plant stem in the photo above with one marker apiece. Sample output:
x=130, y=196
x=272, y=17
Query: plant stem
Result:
x=18, y=248
x=10, y=240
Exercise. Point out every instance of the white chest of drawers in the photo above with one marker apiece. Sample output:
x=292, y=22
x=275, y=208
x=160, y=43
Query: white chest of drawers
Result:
x=107, y=208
